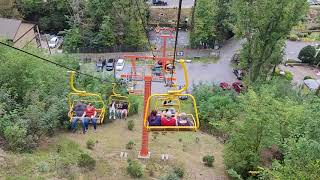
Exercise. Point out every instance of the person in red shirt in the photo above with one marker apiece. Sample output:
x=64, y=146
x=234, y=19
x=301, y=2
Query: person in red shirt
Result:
x=90, y=113
x=169, y=120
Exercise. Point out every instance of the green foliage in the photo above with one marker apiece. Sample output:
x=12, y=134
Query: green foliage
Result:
x=94, y=27
x=293, y=37
x=179, y=171
x=134, y=169
x=90, y=144
x=34, y=101
x=86, y=161
x=171, y=176
x=130, y=144
x=288, y=75
x=207, y=31
x=272, y=113
x=9, y=9
x=208, y=160
x=130, y=125
x=50, y=15
x=233, y=174
x=265, y=25
x=308, y=54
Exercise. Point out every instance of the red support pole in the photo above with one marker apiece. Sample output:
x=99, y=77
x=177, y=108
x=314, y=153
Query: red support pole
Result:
x=164, y=47
x=144, y=152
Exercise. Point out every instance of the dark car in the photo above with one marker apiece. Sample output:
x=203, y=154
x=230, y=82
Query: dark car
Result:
x=238, y=87
x=159, y=3
x=239, y=74
x=110, y=64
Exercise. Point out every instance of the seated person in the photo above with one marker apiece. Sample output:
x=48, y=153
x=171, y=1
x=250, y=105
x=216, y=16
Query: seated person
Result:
x=183, y=120
x=172, y=110
x=119, y=110
x=90, y=114
x=112, y=110
x=124, y=112
x=154, y=119
x=169, y=120
x=78, y=109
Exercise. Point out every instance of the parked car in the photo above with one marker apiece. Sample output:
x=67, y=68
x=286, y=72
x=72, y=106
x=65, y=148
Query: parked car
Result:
x=53, y=42
x=159, y=3
x=120, y=64
x=110, y=63
x=238, y=87
x=239, y=73
x=225, y=86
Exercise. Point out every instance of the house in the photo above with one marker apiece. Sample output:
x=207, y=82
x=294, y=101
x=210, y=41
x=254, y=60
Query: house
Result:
x=19, y=32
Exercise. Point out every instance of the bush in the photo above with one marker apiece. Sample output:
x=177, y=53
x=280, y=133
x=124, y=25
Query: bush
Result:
x=307, y=54
x=86, y=161
x=288, y=75
x=307, y=77
x=208, y=160
x=170, y=176
x=179, y=171
x=90, y=144
x=293, y=37
x=130, y=125
x=130, y=144
x=234, y=175
x=134, y=169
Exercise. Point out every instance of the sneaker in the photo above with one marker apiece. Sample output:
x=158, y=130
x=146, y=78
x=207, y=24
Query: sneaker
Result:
x=94, y=130
x=74, y=130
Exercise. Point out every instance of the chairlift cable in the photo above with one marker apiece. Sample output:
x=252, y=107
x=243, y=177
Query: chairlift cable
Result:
x=176, y=40
x=49, y=61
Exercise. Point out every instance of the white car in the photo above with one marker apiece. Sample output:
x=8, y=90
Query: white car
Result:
x=53, y=42
x=120, y=65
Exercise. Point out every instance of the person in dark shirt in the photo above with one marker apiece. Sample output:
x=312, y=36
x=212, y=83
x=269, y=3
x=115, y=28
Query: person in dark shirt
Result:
x=154, y=119
x=78, y=110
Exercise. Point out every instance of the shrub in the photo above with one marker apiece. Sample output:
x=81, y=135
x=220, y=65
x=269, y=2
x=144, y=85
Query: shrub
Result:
x=307, y=77
x=86, y=161
x=134, y=169
x=234, y=175
x=130, y=125
x=293, y=37
x=171, y=176
x=43, y=167
x=130, y=144
x=90, y=144
x=307, y=54
x=208, y=160
x=288, y=75
x=179, y=171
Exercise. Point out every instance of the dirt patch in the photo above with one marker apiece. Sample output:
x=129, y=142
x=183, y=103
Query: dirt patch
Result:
x=168, y=16
x=299, y=72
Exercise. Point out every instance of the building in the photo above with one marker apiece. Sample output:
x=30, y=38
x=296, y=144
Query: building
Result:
x=19, y=32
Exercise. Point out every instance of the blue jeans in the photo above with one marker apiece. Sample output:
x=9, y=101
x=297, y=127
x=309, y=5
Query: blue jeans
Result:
x=75, y=123
x=93, y=120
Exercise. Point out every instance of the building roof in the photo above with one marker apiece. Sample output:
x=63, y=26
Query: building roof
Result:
x=9, y=28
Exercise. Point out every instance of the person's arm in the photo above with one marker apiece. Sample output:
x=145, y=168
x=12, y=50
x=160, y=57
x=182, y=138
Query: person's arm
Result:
x=95, y=113
x=84, y=114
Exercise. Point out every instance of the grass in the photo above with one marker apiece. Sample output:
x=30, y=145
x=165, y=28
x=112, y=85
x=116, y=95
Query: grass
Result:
x=57, y=157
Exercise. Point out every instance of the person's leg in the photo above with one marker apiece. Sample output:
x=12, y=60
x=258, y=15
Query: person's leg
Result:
x=125, y=112
x=84, y=124
x=110, y=113
x=114, y=113
x=74, y=124
x=94, y=122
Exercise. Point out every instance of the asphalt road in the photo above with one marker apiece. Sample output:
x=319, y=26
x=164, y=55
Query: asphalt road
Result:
x=174, y=3
x=220, y=71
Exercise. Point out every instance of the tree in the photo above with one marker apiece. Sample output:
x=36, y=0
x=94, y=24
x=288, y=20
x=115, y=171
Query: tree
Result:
x=210, y=24
x=308, y=54
x=265, y=25
x=8, y=9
